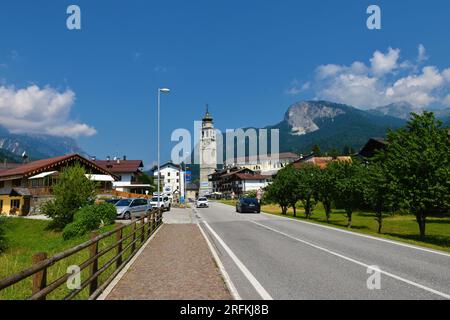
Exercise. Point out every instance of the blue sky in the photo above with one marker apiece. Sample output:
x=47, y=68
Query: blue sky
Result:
x=248, y=59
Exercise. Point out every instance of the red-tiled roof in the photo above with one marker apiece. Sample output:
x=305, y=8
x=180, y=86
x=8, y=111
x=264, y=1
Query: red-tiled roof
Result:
x=39, y=166
x=120, y=166
x=321, y=162
x=248, y=176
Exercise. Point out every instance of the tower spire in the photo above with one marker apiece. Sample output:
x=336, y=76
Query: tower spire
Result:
x=207, y=117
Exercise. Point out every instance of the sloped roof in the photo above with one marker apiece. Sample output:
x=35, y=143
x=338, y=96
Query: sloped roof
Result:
x=321, y=162
x=15, y=192
x=36, y=167
x=120, y=166
x=248, y=176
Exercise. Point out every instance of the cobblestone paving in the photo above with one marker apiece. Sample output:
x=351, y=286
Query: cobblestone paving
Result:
x=176, y=265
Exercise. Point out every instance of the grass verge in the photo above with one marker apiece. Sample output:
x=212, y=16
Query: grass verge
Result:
x=27, y=237
x=402, y=228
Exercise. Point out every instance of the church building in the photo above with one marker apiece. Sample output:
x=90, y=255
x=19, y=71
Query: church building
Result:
x=208, y=154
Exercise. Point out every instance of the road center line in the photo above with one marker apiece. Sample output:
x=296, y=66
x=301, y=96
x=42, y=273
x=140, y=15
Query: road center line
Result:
x=444, y=295
x=250, y=277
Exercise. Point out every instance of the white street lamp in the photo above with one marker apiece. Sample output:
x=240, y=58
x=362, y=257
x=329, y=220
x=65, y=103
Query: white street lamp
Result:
x=160, y=90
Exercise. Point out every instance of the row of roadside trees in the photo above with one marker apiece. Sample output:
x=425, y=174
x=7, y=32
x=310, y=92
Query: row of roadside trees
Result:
x=411, y=174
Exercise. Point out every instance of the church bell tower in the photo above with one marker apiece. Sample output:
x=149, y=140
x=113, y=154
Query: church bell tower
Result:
x=208, y=153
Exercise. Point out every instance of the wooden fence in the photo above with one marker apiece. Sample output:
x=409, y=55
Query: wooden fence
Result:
x=129, y=195
x=141, y=230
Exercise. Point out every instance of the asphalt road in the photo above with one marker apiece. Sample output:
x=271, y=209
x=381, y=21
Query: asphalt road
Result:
x=270, y=257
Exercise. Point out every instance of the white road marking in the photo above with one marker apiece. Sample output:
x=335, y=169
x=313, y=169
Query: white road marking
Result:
x=445, y=254
x=250, y=277
x=225, y=275
x=444, y=295
x=366, y=236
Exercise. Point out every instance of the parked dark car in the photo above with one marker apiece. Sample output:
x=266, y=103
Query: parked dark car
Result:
x=248, y=205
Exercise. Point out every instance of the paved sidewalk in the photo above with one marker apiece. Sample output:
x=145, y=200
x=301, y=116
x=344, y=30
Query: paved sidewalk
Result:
x=176, y=265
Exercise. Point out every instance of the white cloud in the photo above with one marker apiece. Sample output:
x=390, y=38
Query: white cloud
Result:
x=422, y=54
x=40, y=111
x=328, y=70
x=160, y=68
x=446, y=100
x=296, y=87
x=446, y=74
x=386, y=81
x=385, y=63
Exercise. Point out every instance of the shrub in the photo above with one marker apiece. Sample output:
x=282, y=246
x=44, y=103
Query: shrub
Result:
x=3, y=243
x=72, y=191
x=73, y=230
x=90, y=218
x=106, y=212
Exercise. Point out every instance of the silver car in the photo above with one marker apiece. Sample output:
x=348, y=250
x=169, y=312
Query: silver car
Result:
x=132, y=208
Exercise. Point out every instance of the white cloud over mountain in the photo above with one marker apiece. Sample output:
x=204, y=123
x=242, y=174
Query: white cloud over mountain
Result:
x=38, y=110
x=386, y=79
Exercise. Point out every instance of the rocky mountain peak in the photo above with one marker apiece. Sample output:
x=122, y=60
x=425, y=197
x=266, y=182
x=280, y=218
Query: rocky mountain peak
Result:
x=401, y=110
x=303, y=116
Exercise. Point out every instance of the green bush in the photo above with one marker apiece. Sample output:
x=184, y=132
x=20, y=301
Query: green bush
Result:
x=74, y=230
x=106, y=212
x=90, y=218
x=3, y=243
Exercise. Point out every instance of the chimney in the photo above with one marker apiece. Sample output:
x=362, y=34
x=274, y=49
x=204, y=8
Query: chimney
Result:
x=108, y=158
x=124, y=158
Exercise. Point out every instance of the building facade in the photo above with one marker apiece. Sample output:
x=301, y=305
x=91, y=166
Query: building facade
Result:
x=25, y=187
x=128, y=172
x=264, y=164
x=172, y=180
x=207, y=154
x=236, y=182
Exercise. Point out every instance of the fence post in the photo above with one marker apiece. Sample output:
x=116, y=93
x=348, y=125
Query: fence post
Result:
x=143, y=229
x=119, y=236
x=133, y=238
x=39, y=278
x=152, y=221
x=93, y=251
x=149, y=225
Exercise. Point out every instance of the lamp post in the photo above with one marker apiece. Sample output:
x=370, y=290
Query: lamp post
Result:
x=184, y=178
x=160, y=90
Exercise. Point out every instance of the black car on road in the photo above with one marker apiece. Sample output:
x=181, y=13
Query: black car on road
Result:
x=248, y=205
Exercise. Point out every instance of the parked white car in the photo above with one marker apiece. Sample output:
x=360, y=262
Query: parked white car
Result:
x=202, y=203
x=164, y=203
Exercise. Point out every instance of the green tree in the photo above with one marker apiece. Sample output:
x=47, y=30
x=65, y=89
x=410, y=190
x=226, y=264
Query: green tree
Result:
x=418, y=160
x=306, y=187
x=325, y=188
x=72, y=191
x=316, y=150
x=348, y=191
x=347, y=151
x=282, y=189
x=145, y=178
x=378, y=190
x=334, y=153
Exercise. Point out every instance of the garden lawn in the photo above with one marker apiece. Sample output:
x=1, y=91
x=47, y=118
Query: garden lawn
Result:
x=27, y=237
x=402, y=228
